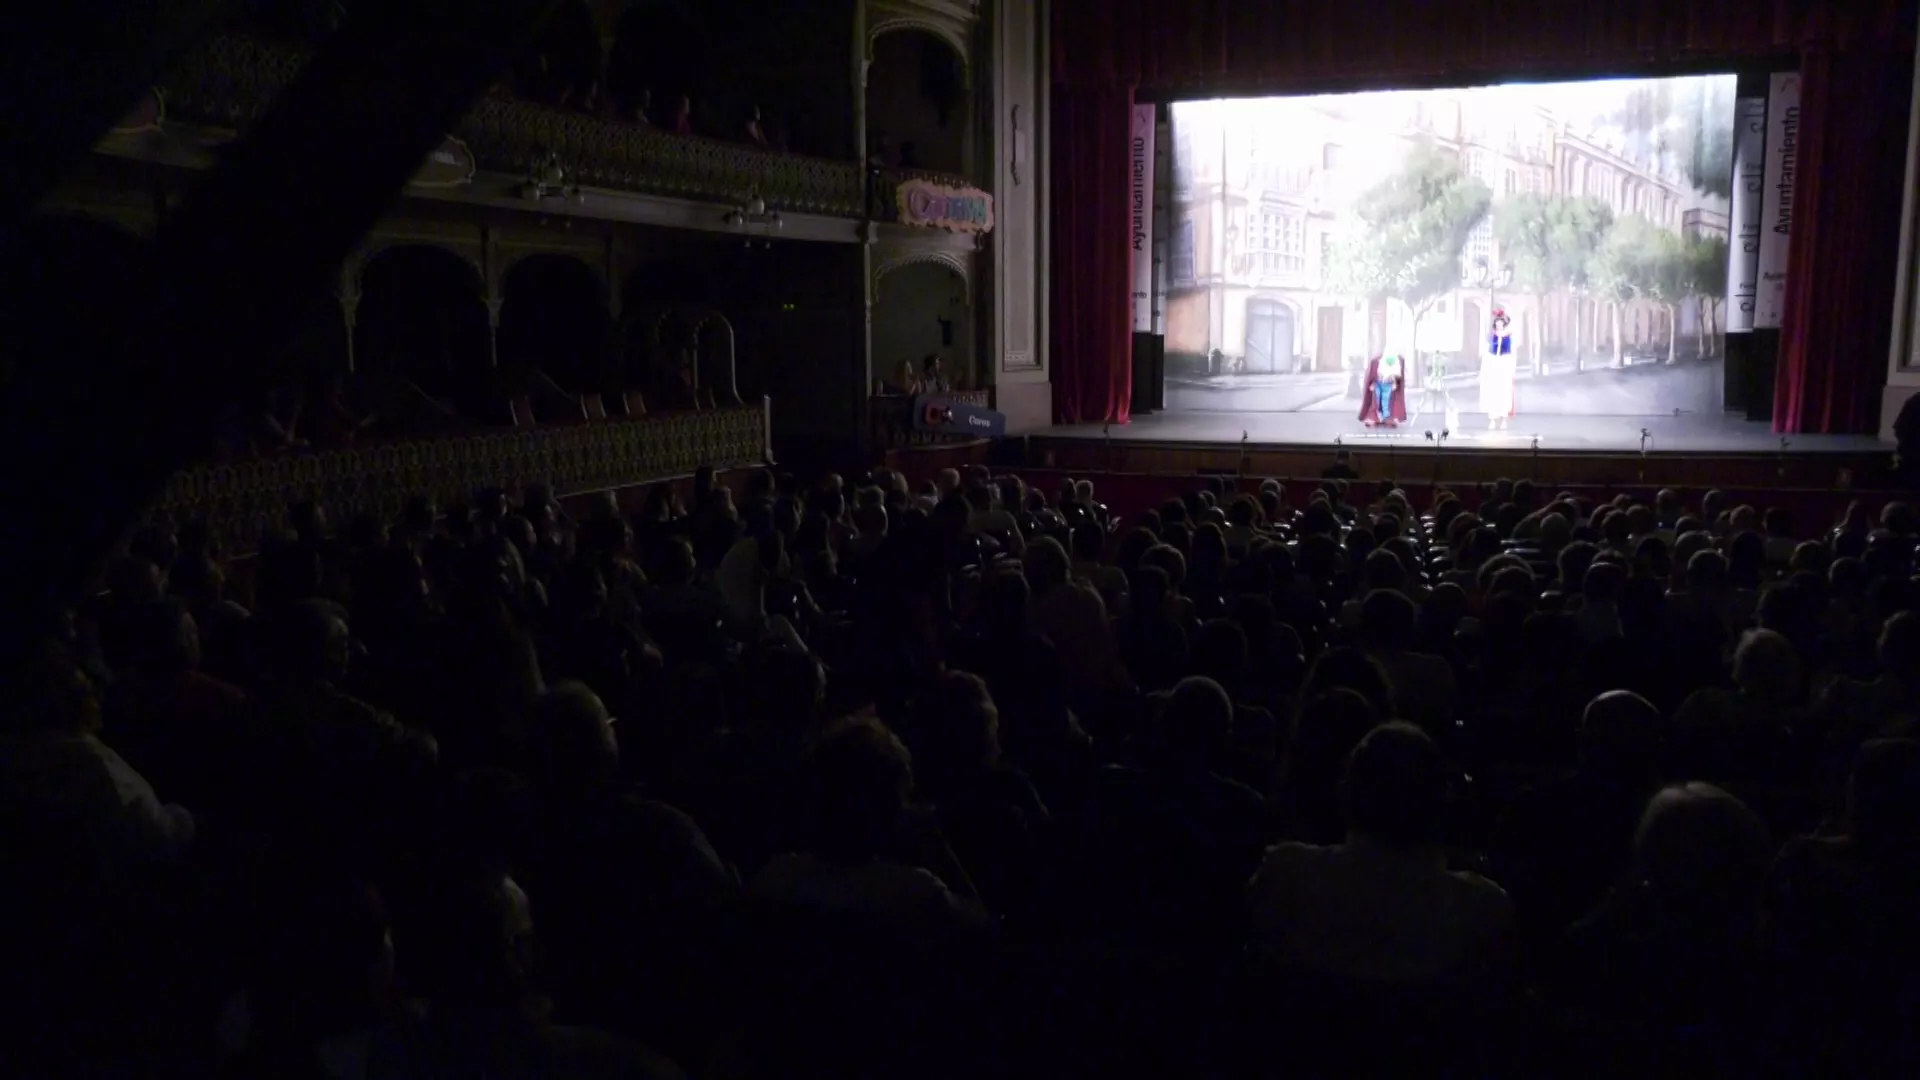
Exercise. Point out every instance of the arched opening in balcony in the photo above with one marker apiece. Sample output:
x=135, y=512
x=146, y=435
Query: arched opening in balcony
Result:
x=922, y=310
x=422, y=320
x=554, y=323
x=918, y=102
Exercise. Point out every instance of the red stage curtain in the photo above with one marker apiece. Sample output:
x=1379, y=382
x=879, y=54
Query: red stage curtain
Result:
x=1189, y=47
x=1844, y=256
x=1102, y=50
x=1092, y=335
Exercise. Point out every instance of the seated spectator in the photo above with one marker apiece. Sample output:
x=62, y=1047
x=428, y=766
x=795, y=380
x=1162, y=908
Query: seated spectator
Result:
x=1423, y=685
x=183, y=730
x=484, y=1018
x=634, y=894
x=1325, y=730
x=1562, y=843
x=1172, y=840
x=1669, y=963
x=72, y=807
x=335, y=769
x=1599, y=611
x=1840, y=917
x=1073, y=617
x=987, y=808
x=319, y=998
x=1382, y=907
x=751, y=132
x=1856, y=710
x=859, y=781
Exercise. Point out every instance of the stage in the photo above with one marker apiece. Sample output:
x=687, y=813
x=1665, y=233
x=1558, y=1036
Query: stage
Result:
x=1555, y=434
x=1688, y=450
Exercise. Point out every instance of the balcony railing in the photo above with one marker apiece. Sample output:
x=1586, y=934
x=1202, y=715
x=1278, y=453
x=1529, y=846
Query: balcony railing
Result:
x=230, y=81
x=240, y=501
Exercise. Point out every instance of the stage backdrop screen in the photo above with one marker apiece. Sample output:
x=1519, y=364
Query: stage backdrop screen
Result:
x=1311, y=234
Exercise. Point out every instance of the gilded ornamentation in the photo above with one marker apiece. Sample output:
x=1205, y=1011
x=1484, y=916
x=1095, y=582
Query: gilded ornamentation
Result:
x=242, y=500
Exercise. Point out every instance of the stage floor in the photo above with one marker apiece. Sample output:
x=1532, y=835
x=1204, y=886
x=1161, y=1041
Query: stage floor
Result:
x=1556, y=434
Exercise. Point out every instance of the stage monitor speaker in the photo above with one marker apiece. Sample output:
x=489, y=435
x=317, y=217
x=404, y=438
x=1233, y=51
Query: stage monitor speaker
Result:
x=1149, y=373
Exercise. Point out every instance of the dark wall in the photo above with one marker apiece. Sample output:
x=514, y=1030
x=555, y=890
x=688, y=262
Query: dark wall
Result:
x=792, y=59
x=796, y=310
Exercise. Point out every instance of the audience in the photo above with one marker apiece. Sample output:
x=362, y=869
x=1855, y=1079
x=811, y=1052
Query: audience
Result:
x=991, y=780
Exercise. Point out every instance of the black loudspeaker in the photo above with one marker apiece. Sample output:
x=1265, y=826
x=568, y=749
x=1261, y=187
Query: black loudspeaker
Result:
x=1735, y=372
x=1765, y=357
x=1149, y=373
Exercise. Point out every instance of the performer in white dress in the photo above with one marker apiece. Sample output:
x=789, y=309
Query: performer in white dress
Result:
x=1497, y=374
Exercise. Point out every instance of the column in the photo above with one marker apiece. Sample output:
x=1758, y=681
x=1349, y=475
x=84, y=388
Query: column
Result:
x=348, y=293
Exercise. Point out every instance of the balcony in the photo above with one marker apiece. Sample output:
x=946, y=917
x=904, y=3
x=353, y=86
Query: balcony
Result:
x=242, y=500
x=229, y=82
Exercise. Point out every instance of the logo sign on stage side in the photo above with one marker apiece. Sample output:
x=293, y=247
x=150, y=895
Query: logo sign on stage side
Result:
x=1776, y=203
x=1749, y=181
x=936, y=206
x=1140, y=216
x=950, y=417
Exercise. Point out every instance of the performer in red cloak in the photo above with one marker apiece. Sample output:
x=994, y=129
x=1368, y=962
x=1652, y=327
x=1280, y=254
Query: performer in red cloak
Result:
x=1384, y=390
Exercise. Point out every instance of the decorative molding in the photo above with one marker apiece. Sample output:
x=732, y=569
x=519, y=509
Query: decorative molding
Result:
x=511, y=255
x=952, y=260
x=240, y=501
x=470, y=252
x=951, y=34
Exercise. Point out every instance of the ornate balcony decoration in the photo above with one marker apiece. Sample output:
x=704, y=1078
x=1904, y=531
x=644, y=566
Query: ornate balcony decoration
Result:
x=241, y=501
x=890, y=420
x=930, y=200
x=230, y=80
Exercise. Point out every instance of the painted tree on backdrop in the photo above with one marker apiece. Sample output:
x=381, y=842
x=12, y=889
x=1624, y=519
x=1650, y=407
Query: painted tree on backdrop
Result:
x=1618, y=270
x=1707, y=284
x=1665, y=277
x=1407, y=234
x=1682, y=128
x=1550, y=242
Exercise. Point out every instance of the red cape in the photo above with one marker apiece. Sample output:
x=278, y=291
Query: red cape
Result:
x=1369, y=410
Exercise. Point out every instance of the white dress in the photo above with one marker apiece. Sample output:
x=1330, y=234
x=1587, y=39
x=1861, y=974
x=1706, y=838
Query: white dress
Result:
x=1496, y=379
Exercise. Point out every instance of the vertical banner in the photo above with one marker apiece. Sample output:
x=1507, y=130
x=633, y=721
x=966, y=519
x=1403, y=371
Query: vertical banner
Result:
x=1749, y=180
x=1140, y=216
x=1776, y=206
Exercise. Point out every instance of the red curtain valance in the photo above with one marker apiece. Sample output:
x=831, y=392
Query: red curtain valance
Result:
x=1240, y=46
